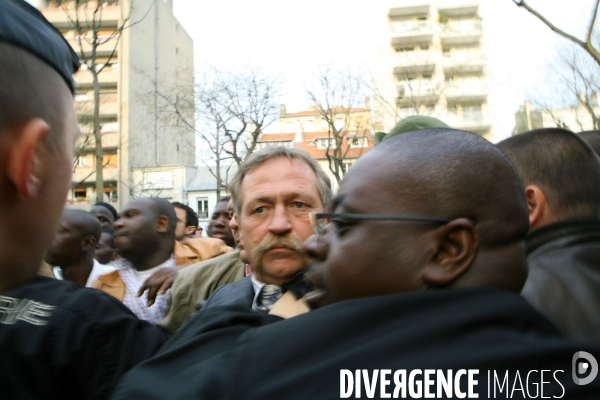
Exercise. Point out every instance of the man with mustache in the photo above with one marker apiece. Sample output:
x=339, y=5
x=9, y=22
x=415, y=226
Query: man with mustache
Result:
x=274, y=192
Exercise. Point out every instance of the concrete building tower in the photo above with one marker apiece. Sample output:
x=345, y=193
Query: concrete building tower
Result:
x=437, y=64
x=150, y=57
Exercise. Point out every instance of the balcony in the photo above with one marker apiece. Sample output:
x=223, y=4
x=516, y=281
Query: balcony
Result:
x=466, y=90
x=108, y=77
x=460, y=32
x=104, y=49
x=472, y=61
x=472, y=122
x=109, y=108
x=59, y=17
x=454, y=8
x=88, y=174
x=417, y=92
x=411, y=32
x=409, y=10
x=415, y=62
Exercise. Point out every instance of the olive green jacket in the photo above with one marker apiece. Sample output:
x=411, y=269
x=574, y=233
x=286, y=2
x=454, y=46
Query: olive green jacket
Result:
x=197, y=282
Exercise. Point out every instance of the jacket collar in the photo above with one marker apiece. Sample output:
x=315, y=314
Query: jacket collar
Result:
x=558, y=230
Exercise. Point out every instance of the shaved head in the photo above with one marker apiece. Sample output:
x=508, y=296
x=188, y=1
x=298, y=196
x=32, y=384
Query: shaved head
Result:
x=563, y=166
x=85, y=223
x=449, y=174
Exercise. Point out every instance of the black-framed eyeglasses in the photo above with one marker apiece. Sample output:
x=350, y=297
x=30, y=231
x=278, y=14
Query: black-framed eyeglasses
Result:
x=319, y=221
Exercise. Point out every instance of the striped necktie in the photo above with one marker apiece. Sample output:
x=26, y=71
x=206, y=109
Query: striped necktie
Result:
x=269, y=294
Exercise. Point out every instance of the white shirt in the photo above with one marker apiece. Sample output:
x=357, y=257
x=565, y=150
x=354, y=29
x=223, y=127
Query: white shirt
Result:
x=257, y=288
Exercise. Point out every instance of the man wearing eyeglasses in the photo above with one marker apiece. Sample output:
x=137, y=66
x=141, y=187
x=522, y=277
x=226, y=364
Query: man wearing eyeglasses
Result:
x=419, y=266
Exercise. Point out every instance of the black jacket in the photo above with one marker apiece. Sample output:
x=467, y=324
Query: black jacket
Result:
x=224, y=353
x=61, y=341
x=564, y=277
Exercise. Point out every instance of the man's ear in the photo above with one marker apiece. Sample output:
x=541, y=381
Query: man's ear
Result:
x=162, y=224
x=190, y=230
x=536, y=203
x=456, y=246
x=88, y=242
x=24, y=166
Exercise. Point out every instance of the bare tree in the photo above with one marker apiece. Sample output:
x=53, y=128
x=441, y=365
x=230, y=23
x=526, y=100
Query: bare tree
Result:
x=97, y=43
x=231, y=110
x=572, y=100
x=338, y=96
x=586, y=43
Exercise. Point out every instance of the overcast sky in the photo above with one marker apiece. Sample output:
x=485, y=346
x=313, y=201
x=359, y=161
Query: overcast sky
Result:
x=292, y=38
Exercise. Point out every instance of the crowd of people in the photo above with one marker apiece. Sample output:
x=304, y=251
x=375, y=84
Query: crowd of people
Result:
x=445, y=266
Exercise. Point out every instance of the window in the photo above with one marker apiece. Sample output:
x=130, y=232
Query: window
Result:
x=339, y=124
x=407, y=111
x=309, y=126
x=202, y=208
x=356, y=142
x=326, y=143
x=79, y=193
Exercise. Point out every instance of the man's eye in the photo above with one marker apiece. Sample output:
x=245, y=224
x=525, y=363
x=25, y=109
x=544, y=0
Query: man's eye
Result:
x=299, y=204
x=259, y=210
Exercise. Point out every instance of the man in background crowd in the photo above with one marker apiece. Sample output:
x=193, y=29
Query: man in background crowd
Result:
x=105, y=249
x=144, y=238
x=188, y=248
x=561, y=174
x=219, y=223
x=105, y=213
x=73, y=248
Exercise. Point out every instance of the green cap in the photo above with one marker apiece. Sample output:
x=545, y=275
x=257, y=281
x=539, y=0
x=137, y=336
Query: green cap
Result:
x=412, y=123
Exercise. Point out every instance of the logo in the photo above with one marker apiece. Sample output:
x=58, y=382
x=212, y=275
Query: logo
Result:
x=581, y=367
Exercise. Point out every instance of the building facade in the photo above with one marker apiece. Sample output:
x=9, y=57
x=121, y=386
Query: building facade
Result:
x=149, y=56
x=437, y=65
x=576, y=119
x=310, y=130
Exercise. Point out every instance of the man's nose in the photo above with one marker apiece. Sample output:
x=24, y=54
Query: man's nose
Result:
x=118, y=223
x=280, y=223
x=316, y=247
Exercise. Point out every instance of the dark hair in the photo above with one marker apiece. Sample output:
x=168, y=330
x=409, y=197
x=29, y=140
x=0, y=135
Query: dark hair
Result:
x=30, y=88
x=562, y=165
x=110, y=208
x=191, y=218
x=593, y=139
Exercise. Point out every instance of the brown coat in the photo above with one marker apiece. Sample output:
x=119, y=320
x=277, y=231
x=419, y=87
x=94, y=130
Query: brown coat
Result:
x=193, y=250
x=111, y=283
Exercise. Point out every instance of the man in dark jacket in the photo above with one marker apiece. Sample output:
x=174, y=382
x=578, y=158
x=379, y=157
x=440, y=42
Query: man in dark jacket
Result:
x=57, y=339
x=562, y=178
x=419, y=267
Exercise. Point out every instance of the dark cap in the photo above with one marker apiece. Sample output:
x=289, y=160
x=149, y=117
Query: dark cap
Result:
x=22, y=25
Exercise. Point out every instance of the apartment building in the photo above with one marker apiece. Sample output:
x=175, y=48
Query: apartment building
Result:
x=577, y=118
x=309, y=130
x=437, y=65
x=149, y=57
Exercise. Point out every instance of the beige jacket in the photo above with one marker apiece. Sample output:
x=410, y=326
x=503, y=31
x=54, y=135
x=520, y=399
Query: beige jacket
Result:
x=193, y=250
x=197, y=282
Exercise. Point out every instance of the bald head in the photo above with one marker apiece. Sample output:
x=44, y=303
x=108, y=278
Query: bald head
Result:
x=77, y=235
x=461, y=181
x=447, y=173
